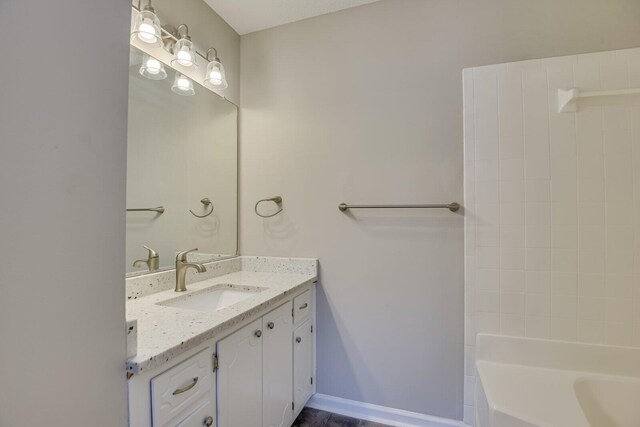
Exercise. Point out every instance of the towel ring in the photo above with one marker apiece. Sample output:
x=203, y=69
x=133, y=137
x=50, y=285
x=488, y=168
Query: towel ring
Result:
x=277, y=200
x=206, y=202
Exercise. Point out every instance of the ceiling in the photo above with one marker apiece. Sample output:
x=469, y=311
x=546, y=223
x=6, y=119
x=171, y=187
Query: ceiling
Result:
x=247, y=16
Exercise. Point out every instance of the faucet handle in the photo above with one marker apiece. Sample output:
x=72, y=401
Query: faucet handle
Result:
x=182, y=256
x=152, y=253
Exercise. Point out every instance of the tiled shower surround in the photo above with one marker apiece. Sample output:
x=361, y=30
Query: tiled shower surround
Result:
x=552, y=238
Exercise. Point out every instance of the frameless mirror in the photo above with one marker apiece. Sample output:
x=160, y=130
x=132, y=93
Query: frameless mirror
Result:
x=182, y=169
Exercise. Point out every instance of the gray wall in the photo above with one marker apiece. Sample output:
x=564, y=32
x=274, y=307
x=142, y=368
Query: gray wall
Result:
x=63, y=130
x=365, y=105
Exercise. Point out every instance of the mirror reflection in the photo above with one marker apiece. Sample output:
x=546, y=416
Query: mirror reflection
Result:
x=181, y=168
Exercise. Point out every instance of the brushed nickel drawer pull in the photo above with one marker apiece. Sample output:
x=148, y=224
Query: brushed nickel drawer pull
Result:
x=186, y=388
x=271, y=325
x=303, y=306
x=298, y=340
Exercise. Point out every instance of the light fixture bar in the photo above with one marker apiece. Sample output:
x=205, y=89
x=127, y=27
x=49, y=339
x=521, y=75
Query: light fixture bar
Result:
x=167, y=34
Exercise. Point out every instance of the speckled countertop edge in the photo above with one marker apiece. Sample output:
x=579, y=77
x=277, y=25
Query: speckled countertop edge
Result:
x=166, y=332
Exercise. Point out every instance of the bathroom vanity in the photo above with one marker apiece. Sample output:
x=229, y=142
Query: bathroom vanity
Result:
x=222, y=340
x=235, y=349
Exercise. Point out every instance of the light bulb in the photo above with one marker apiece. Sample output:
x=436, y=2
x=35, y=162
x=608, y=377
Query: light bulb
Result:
x=184, y=58
x=146, y=28
x=215, y=77
x=153, y=66
x=184, y=53
x=183, y=86
x=183, y=83
x=152, y=69
x=147, y=32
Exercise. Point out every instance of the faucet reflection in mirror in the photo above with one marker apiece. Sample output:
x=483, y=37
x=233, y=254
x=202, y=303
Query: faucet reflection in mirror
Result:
x=152, y=262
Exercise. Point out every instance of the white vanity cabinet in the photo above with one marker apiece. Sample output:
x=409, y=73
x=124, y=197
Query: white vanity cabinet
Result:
x=258, y=375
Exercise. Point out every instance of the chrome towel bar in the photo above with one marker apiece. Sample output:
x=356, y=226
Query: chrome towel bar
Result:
x=159, y=209
x=453, y=207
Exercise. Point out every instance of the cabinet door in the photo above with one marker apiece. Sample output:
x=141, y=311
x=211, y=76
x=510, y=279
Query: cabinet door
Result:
x=302, y=364
x=277, y=378
x=240, y=377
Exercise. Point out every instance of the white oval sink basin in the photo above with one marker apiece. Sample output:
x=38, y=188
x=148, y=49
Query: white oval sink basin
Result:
x=215, y=298
x=609, y=402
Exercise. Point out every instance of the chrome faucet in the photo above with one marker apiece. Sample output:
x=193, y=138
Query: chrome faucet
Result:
x=181, y=269
x=152, y=262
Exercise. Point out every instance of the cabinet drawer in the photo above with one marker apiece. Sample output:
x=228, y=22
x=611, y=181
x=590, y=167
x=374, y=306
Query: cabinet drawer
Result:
x=203, y=415
x=301, y=307
x=175, y=390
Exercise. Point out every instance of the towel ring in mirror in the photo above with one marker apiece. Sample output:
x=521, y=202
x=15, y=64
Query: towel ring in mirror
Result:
x=207, y=203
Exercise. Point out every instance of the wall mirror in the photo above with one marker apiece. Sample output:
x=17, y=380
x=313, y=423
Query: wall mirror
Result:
x=182, y=169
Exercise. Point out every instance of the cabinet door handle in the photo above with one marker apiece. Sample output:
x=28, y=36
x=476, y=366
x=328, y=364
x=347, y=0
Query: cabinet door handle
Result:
x=208, y=421
x=303, y=306
x=186, y=388
x=258, y=333
x=271, y=325
x=298, y=340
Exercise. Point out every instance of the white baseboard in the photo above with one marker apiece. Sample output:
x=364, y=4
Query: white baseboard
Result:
x=378, y=414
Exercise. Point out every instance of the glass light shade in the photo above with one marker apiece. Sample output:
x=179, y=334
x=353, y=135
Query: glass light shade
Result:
x=182, y=85
x=152, y=69
x=215, y=77
x=184, y=53
x=146, y=28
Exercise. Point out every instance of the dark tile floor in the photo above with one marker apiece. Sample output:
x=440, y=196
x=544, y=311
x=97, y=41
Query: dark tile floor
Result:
x=315, y=418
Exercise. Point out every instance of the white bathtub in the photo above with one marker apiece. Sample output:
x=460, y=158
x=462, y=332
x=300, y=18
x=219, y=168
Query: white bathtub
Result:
x=526, y=382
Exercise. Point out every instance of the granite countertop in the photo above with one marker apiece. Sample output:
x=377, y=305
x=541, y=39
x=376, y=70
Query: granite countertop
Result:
x=165, y=332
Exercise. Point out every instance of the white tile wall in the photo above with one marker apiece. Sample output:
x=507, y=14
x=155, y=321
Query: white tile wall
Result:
x=552, y=203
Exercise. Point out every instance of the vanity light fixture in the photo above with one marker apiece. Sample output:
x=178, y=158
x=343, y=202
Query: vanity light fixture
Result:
x=152, y=69
x=183, y=51
x=215, y=77
x=182, y=85
x=146, y=26
x=147, y=29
